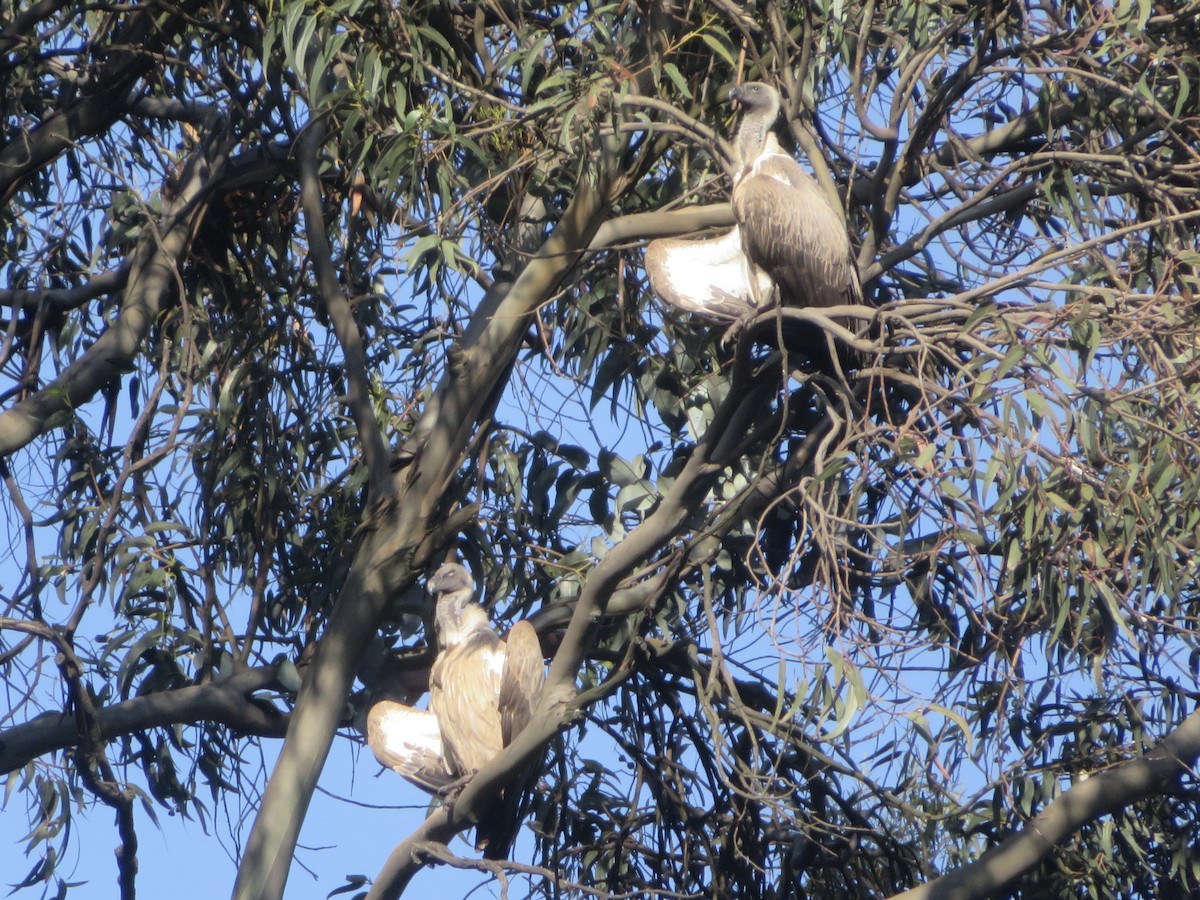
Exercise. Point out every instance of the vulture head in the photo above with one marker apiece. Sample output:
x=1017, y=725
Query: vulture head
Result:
x=762, y=105
x=756, y=95
x=457, y=614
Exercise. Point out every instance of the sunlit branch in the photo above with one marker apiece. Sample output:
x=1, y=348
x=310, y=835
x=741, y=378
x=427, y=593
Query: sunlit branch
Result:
x=153, y=278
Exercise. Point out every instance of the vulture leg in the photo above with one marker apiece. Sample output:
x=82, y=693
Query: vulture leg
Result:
x=734, y=331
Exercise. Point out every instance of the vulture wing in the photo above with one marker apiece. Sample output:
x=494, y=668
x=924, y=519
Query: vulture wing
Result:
x=521, y=681
x=408, y=742
x=710, y=278
x=792, y=234
x=520, y=685
x=790, y=231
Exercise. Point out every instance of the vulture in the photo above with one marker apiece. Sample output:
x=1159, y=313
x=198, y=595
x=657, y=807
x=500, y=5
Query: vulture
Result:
x=481, y=691
x=789, y=229
x=789, y=247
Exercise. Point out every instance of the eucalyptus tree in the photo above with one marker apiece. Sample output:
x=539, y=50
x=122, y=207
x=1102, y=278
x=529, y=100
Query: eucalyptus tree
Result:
x=301, y=298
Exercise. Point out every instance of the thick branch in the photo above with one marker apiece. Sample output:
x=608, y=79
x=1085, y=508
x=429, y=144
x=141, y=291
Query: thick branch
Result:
x=227, y=702
x=23, y=24
x=149, y=30
x=1102, y=794
x=358, y=391
x=63, y=299
x=400, y=538
x=639, y=226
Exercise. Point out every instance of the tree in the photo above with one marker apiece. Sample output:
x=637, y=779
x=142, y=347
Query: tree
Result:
x=302, y=297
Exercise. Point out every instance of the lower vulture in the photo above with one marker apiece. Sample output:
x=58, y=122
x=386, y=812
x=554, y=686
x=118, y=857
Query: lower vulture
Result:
x=482, y=691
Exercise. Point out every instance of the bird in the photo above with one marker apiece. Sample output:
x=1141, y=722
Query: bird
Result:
x=789, y=245
x=790, y=231
x=482, y=691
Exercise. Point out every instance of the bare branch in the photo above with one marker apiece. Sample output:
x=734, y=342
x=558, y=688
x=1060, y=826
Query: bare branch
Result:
x=228, y=702
x=62, y=299
x=662, y=224
x=152, y=280
x=148, y=30
x=358, y=390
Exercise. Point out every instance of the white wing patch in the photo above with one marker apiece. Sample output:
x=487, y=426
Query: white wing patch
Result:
x=710, y=278
x=493, y=661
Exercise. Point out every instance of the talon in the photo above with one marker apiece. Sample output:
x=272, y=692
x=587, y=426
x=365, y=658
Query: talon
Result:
x=449, y=792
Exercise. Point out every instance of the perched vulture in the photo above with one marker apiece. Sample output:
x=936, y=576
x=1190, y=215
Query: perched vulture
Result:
x=789, y=229
x=482, y=691
x=790, y=245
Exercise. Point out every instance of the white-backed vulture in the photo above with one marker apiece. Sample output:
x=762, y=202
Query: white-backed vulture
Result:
x=790, y=232
x=789, y=247
x=482, y=691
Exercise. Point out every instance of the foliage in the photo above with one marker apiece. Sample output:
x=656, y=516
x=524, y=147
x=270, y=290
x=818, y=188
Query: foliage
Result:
x=868, y=637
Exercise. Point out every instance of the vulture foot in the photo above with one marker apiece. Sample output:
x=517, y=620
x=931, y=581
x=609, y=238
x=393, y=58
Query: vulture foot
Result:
x=449, y=792
x=734, y=332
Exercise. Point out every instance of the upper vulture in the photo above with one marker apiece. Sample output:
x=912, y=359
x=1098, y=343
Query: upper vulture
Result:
x=790, y=245
x=482, y=691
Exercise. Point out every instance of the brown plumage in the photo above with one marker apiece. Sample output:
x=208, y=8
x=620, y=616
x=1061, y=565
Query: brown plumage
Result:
x=789, y=247
x=790, y=231
x=482, y=690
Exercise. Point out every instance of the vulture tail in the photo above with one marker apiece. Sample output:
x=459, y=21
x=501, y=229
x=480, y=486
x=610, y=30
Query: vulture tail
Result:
x=497, y=828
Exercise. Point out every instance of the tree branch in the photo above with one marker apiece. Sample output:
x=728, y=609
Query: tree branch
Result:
x=358, y=390
x=396, y=545
x=711, y=140
x=1103, y=793
x=662, y=224
x=227, y=702
x=63, y=299
x=149, y=31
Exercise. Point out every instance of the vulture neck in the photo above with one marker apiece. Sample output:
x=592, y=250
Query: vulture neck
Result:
x=752, y=136
x=771, y=147
x=456, y=628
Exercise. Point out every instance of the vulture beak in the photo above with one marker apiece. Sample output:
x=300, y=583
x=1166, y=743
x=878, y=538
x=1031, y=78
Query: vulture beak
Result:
x=736, y=95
